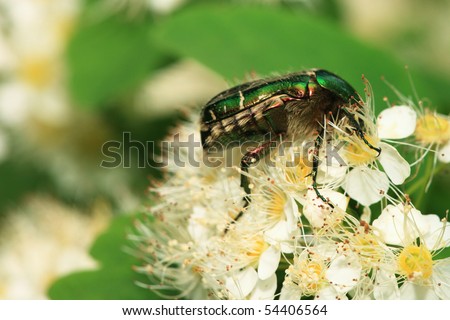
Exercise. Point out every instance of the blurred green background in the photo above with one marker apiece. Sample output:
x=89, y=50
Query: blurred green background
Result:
x=76, y=74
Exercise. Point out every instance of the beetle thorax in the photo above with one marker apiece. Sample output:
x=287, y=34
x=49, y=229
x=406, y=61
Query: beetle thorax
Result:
x=306, y=117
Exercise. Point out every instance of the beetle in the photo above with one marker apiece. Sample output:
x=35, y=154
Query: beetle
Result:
x=291, y=106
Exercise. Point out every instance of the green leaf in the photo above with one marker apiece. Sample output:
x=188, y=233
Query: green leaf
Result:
x=19, y=179
x=115, y=279
x=108, y=57
x=436, y=199
x=237, y=40
x=442, y=254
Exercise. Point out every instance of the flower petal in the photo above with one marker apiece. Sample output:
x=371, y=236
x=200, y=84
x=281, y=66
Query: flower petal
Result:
x=394, y=165
x=280, y=235
x=316, y=211
x=343, y=273
x=290, y=291
x=291, y=213
x=366, y=186
x=441, y=276
x=197, y=226
x=386, y=286
x=241, y=283
x=329, y=293
x=435, y=232
x=412, y=291
x=400, y=225
x=332, y=168
x=443, y=153
x=397, y=122
x=265, y=289
x=268, y=262
x=391, y=225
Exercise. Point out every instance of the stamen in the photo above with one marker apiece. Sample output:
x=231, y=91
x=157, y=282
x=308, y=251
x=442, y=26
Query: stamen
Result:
x=432, y=128
x=359, y=153
x=416, y=262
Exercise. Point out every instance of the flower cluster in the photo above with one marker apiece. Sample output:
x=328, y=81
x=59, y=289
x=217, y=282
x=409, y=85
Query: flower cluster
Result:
x=290, y=244
x=38, y=115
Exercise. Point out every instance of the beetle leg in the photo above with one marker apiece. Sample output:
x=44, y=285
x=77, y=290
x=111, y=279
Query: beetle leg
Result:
x=315, y=168
x=250, y=158
x=359, y=131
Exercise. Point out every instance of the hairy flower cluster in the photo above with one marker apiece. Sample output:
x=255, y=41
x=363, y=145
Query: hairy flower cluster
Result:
x=290, y=244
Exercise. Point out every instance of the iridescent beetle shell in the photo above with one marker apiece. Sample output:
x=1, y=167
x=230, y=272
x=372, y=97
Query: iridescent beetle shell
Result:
x=292, y=106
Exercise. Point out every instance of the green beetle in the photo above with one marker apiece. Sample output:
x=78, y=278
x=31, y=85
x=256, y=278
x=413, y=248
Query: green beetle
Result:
x=292, y=106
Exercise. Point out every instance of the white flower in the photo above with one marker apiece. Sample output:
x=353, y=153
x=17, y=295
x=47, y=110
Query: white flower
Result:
x=42, y=242
x=200, y=246
x=195, y=85
x=211, y=194
x=245, y=284
x=367, y=186
x=366, y=183
x=35, y=73
x=386, y=286
x=443, y=154
x=397, y=122
x=369, y=173
x=268, y=262
x=273, y=213
x=431, y=130
x=344, y=273
x=402, y=224
x=264, y=289
x=274, y=205
x=174, y=260
x=319, y=213
x=245, y=246
x=241, y=283
x=425, y=278
x=321, y=274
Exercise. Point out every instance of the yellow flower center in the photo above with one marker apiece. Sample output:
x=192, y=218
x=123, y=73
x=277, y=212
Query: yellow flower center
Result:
x=432, y=128
x=308, y=275
x=209, y=176
x=298, y=172
x=256, y=246
x=197, y=269
x=416, y=262
x=366, y=245
x=359, y=153
x=276, y=200
x=38, y=71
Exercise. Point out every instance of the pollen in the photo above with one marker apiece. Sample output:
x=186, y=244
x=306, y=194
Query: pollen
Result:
x=209, y=177
x=367, y=246
x=276, y=201
x=415, y=262
x=432, y=128
x=309, y=275
x=256, y=246
x=359, y=153
x=298, y=172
